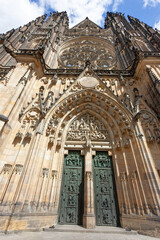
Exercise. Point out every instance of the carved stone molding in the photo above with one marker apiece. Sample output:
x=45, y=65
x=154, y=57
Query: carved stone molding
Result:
x=28, y=135
x=19, y=135
x=18, y=169
x=58, y=143
x=117, y=144
x=126, y=142
x=133, y=175
x=51, y=140
x=45, y=172
x=4, y=80
x=7, y=168
x=149, y=136
x=123, y=176
x=89, y=175
x=54, y=174
x=23, y=80
x=157, y=134
x=147, y=119
x=150, y=139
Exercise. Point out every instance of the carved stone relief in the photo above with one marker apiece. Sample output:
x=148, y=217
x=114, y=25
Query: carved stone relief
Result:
x=87, y=125
x=147, y=119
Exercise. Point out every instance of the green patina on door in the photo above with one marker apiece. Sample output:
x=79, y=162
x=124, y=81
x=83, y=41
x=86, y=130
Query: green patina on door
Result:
x=71, y=200
x=105, y=202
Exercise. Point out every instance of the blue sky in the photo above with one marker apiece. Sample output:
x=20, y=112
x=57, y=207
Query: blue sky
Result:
x=15, y=13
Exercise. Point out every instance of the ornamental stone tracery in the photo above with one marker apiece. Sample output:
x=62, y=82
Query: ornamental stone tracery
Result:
x=74, y=54
x=87, y=126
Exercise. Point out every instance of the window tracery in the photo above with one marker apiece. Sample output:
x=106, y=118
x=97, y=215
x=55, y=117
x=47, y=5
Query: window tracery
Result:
x=99, y=53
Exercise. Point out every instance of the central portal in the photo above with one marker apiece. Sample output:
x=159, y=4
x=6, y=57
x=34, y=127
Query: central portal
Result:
x=79, y=195
x=72, y=190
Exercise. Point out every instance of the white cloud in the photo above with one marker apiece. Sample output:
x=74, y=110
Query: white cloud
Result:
x=151, y=3
x=78, y=10
x=157, y=25
x=16, y=13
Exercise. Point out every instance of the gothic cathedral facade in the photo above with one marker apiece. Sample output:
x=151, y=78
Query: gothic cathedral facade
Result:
x=80, y=124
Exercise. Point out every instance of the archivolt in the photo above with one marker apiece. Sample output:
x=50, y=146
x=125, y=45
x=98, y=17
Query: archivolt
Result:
x=116, y=118
x=87, y=96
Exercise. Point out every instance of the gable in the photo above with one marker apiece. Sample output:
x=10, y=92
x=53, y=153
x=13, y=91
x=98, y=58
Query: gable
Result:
x=86, y=23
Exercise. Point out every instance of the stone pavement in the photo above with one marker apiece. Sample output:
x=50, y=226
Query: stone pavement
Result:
x=77, y=233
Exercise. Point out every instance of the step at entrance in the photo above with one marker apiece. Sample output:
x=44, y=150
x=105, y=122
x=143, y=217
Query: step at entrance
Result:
x=97, y=229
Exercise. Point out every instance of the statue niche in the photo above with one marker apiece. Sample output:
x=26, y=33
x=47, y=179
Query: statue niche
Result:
x=89, y=126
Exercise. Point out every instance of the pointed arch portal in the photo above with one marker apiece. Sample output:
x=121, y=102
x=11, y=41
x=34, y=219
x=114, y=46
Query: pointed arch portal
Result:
x=88, y=193
x=89, y=125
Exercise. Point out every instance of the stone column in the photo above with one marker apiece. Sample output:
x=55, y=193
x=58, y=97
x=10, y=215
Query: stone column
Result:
x=89, y=213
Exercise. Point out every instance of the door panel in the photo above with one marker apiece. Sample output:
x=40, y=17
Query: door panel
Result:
x=104, y=188
x=71, y=201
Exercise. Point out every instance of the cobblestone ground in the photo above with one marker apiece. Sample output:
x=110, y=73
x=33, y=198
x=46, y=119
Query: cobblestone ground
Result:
x=72, y=236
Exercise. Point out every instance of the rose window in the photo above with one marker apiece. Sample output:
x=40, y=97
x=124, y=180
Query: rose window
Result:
x=74, y=54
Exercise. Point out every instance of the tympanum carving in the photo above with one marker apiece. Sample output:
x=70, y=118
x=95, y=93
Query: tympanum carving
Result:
x=87, y=125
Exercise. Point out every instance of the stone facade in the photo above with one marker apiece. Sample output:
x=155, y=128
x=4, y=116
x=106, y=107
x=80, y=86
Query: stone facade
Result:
x=86, y=89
